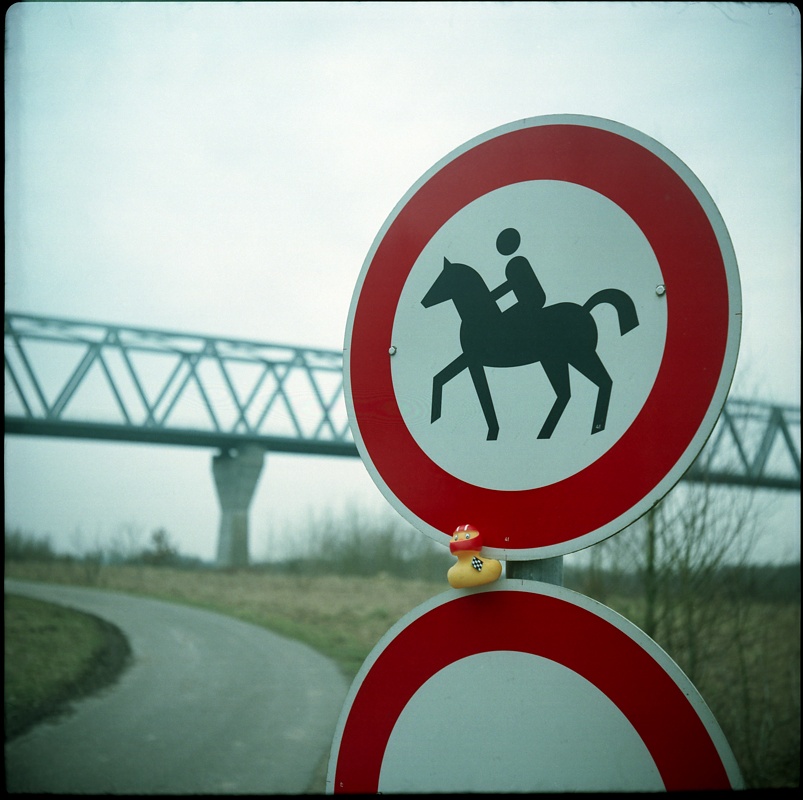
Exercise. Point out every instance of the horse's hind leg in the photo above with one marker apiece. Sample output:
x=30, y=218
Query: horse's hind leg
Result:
x=444, y=376
x=558, y=374
x=595, y=371
x=486, y=401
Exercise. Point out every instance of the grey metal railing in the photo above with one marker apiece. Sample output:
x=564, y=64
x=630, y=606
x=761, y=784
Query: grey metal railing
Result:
x=90, y=380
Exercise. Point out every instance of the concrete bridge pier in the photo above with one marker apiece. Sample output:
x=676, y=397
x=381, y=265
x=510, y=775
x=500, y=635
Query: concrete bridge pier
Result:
x=236, y=473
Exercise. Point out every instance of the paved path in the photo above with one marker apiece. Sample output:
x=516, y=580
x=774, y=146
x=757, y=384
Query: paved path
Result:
x=210, y=705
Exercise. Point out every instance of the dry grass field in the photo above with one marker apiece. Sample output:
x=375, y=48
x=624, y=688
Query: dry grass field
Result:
x=747, y=666
x=342, y=617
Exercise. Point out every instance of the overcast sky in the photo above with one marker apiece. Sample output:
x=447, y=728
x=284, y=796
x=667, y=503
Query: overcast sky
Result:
x=224, y=169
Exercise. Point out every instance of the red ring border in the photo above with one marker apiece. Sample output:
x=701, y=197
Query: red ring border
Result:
x=685, y=243
x=656, y=705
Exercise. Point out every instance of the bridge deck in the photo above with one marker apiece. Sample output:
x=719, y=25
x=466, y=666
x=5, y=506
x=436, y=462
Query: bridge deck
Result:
x=68, y=378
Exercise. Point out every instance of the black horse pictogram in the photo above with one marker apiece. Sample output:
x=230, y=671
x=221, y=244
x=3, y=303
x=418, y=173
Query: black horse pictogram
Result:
x=557, y=335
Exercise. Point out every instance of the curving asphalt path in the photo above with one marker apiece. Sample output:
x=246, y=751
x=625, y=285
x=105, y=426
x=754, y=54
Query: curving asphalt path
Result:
x=210, y=705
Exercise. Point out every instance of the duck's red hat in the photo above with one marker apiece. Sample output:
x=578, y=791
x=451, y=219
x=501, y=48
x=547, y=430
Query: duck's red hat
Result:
x=474, y=543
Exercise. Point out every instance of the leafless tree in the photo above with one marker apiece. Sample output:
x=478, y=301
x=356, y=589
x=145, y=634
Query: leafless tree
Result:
x=682, y=573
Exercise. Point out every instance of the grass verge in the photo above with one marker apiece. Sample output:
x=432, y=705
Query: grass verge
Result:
x=53, y=656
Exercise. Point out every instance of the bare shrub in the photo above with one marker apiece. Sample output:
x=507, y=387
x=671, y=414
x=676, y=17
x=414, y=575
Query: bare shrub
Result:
x=21, y=546
x=357, y=543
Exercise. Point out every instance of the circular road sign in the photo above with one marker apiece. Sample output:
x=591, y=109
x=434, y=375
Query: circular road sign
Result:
x=542, y=336
x=485, y=691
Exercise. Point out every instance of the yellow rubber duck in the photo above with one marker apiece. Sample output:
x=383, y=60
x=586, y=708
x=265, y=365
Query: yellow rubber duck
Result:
x=471, y=568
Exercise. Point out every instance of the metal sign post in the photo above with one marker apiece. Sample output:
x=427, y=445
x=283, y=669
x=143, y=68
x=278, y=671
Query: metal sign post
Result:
x=546, y=570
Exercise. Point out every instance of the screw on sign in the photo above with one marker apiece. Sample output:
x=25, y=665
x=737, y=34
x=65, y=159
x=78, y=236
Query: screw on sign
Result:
x=542, y=336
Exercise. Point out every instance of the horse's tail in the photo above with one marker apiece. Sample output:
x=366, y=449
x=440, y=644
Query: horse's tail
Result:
x=625, y=308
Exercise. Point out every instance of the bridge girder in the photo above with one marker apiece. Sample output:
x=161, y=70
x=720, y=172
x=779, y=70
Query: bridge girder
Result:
x=68, y=378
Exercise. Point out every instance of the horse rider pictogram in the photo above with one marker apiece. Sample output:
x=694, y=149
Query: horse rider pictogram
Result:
x=529, y=331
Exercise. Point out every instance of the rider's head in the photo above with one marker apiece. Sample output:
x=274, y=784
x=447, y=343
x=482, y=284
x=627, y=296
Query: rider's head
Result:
x=508, y=241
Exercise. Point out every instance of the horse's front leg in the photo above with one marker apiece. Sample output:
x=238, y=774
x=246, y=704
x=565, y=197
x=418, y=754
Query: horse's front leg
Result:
x=444, y=376
x=486, y=401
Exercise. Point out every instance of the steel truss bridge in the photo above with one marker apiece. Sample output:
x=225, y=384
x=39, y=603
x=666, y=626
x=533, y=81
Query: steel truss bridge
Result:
x=97, y=381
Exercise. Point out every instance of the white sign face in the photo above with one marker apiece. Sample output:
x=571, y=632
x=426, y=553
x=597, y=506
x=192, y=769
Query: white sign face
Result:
x=542, y=337
x=578, y=243
x=537, y=717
